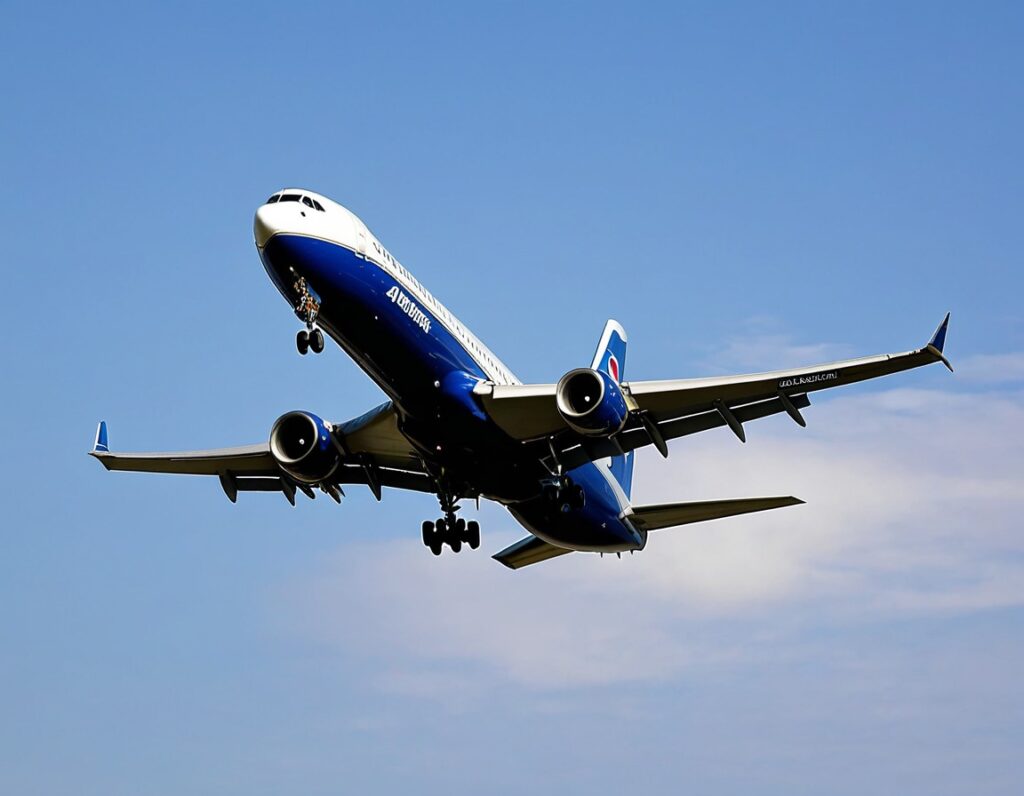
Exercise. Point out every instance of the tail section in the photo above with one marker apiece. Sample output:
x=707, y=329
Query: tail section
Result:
x=610, y=358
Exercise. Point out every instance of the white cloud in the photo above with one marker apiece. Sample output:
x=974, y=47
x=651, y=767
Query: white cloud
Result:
x=913, y=505
x=763, y=345
x=992, y=368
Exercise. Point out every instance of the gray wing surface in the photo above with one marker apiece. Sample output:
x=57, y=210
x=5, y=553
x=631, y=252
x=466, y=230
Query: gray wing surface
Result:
x=531, y=550
x=374, y=452
x=663, y=410
x=669, y=515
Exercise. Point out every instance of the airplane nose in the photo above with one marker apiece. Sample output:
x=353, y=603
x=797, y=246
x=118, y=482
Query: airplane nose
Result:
x=266, y=224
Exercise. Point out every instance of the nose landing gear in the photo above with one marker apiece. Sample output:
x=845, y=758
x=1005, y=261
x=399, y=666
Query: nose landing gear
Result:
x=307, y=306
x=309, y=340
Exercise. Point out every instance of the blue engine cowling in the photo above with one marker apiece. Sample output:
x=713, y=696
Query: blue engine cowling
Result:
x=300, y=443
x=591, y=402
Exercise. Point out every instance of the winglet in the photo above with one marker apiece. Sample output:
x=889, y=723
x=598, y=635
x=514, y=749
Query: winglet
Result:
x=100, y=446
x=938, y=342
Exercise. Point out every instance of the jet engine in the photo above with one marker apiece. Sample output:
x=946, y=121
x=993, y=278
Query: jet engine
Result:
x=300, y=442
x=591, y=402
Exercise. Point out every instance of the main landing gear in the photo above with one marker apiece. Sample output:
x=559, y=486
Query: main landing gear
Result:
x=563, y=493
x=450, y=530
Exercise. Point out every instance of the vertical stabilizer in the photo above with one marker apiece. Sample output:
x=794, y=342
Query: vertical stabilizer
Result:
x=610, y=358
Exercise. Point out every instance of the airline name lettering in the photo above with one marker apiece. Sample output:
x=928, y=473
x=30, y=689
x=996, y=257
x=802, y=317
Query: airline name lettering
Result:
x=409, y=307
x=830, y=375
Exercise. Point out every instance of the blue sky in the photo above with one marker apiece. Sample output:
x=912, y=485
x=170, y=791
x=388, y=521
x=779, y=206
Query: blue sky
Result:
x=742, y=186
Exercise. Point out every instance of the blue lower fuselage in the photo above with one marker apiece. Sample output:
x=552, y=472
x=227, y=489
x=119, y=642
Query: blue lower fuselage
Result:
x=429, y=374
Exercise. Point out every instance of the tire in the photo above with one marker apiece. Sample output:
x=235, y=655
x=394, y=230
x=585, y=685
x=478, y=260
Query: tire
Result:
x=428, y=533
x=455, y=543
x=460, y=529
x=316, y=341
x=435, y=547
x=302, y=342
x=473, y=534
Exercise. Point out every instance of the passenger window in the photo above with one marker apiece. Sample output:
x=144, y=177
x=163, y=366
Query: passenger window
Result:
x=307, y=201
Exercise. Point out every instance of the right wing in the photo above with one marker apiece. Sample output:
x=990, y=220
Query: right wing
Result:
x=374, y=452
x=664, y=410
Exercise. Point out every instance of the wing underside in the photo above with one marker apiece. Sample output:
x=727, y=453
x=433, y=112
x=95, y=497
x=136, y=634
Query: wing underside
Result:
x=373, y=451
x=665, y=410
x=531, y=550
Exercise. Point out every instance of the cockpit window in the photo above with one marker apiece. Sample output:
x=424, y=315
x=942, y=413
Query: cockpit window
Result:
x=318, y=206
x=290, y=197
x=273, y=198
x=307, y=201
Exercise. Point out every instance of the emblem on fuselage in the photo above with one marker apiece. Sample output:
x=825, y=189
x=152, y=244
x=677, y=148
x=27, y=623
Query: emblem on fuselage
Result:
x=409, y=307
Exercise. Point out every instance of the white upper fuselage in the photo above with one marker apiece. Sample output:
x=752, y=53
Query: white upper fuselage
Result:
x=303, y=215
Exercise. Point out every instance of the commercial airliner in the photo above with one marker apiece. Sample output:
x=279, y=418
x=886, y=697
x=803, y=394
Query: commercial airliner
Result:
x=459, y=425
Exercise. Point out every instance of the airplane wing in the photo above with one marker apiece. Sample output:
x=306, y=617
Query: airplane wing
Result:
x=374, y=452
x=664, y=410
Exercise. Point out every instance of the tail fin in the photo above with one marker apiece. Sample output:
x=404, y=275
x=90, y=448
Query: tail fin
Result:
x=610, y=357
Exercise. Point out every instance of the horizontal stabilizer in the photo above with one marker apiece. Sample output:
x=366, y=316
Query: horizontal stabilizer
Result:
x=530, y=550
x=667, y=515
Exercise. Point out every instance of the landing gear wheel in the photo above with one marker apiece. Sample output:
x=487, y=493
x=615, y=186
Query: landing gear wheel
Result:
x=428, y=533
x=473, y=534
x=455, y=543
x=302, y=341
x=437, y=539
x=316, y=341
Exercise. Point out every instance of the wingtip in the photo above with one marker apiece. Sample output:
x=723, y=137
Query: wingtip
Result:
x=938, y=340
x=101, y=445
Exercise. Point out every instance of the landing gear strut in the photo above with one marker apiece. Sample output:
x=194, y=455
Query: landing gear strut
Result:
x=451, y=531
x=563, y=493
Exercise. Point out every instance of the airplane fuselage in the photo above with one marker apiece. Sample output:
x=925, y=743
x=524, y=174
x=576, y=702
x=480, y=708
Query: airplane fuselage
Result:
x=428, y=364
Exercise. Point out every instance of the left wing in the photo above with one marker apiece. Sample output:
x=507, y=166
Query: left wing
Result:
x=374, y=452
x=664, y=410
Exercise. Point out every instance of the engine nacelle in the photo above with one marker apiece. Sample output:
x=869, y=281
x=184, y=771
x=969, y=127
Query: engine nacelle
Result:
x=591, y=402
x=301, y=444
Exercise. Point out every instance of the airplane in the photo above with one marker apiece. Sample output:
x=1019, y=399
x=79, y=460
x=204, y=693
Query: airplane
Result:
x=459, y=425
